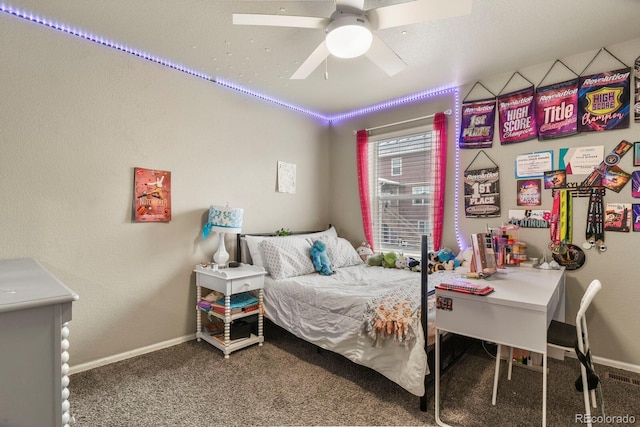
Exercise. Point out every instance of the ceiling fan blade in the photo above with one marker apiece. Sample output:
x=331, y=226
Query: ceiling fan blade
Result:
x=280, y=20
x=414, y=12
x=312, y=62
x=384, y=57
x=352, y=4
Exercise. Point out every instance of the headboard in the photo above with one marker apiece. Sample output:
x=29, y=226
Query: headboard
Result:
x=242, y=251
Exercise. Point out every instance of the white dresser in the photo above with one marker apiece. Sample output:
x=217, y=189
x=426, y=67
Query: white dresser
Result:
x=35, y=308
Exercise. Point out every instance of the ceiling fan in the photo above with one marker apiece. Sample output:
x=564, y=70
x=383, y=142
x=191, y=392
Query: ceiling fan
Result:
x=349, y=29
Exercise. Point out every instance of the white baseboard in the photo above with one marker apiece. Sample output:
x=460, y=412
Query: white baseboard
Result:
x=616, y=364
x=129, y=354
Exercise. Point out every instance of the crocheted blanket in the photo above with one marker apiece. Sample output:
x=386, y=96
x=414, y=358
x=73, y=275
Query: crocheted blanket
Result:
x=394, y=315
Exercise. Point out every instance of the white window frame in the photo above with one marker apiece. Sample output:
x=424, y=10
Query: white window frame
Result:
x=395, y=166
x=386, y=238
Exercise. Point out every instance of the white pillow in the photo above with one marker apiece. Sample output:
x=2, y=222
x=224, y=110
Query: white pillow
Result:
x=340, y=251
x=253, y=243
x=287, y=257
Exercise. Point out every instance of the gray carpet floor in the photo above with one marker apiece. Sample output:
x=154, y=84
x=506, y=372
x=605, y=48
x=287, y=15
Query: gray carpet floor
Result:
x=287, y=382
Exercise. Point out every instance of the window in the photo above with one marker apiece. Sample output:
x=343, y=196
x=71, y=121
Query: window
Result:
x=401, y=191
x=419, y=191
x=396, y=166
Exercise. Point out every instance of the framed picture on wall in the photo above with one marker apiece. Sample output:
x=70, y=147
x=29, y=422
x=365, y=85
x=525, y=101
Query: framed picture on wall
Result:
x=636, y=154
x=151, y=195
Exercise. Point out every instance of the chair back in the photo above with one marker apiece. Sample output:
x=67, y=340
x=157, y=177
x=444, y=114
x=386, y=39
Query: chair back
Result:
x=588, y=296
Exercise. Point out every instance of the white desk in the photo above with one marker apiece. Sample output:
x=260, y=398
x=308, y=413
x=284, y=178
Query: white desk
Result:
x=517, y=314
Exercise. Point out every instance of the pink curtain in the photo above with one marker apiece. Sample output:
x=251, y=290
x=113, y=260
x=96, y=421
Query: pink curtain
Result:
x=363, y=183
x=440, y=173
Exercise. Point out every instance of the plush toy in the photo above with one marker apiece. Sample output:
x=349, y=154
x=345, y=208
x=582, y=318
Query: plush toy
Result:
x=389, y=260
x=402, y=262
x=365, y=251
x=320, y=259
x=375, y=260
x=414, y=264
x=445, y=255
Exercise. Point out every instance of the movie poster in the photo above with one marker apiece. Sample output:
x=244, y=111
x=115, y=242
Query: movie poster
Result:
x=481, y=193
x=477, y=124
x=603, y=101
x=151, y=195
x=557, y=110
x=516, y=116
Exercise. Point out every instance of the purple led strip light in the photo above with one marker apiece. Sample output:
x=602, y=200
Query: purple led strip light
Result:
x=328, y=119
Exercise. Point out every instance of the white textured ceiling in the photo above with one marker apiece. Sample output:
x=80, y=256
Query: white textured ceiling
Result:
x=499, y=36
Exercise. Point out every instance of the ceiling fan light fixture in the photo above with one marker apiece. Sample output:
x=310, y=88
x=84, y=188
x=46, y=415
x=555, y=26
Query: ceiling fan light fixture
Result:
x=348, y=36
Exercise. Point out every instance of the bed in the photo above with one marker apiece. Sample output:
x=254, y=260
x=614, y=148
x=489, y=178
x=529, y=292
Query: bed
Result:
x=374, y=316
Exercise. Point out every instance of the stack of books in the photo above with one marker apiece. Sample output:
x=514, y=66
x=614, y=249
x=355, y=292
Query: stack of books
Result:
x=240, y=303
x=464, y=286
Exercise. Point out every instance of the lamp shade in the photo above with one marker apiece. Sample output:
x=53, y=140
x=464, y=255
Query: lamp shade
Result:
x=225, y=219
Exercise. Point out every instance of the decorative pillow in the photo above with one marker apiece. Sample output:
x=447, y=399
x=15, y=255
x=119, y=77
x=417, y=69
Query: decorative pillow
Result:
x=340, y=251
x=253, y=243
x=287, y=257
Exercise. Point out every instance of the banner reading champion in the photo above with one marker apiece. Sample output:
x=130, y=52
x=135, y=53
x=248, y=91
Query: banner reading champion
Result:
x=477, y=123
x=603, y=101
x=516, y=116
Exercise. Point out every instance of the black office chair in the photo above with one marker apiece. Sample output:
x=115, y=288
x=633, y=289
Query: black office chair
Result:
x=568, y=337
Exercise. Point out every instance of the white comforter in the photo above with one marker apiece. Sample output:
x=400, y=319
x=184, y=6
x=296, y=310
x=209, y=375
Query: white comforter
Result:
x=328, y=311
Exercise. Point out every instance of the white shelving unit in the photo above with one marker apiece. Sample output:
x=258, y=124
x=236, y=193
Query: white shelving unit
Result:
x=35, y=309
x=230, y=281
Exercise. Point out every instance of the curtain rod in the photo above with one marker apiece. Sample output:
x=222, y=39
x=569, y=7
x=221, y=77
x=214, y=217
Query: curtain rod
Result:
x=447, y=112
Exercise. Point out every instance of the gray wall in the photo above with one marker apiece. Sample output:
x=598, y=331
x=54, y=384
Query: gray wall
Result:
x=614, y=316
x=76, y=119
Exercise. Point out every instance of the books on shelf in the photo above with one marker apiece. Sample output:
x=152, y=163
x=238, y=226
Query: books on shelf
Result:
x=239, y=303
x=464, y=286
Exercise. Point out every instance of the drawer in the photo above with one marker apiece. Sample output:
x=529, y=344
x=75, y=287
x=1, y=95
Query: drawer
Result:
x=211, y=282
x=245, y=284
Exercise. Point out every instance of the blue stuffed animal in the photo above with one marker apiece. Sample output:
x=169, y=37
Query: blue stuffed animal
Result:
x=320, y=259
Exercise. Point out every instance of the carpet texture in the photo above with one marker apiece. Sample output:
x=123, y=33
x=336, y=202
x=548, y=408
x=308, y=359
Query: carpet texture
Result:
x=287, y=382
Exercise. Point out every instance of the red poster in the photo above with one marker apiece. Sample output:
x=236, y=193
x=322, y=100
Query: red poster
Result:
x=516, y=116
x=152, y=195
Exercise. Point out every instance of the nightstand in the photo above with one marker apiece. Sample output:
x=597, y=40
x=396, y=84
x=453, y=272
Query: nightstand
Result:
x=230, y=281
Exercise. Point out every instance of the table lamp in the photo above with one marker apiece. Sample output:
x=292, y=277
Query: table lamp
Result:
x=222, y=219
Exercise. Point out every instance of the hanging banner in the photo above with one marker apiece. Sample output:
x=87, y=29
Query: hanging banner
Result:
x=516, y=116
x=481, y=193
x=477, y=124
x=603, y=101
x=636, y=108
x=557, y=110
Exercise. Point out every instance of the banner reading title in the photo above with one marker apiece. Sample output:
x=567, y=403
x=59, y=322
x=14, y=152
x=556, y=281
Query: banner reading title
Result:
x=603, y=101
x=516, y=116
x=557, y=110
x=477, y=124
x=481, y=193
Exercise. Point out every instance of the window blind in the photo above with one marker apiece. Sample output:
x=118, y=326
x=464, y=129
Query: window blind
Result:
x=401, y=190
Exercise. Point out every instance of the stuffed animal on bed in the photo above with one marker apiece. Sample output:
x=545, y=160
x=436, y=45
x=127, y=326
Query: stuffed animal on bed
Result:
x=365, y=252
x=321, y=261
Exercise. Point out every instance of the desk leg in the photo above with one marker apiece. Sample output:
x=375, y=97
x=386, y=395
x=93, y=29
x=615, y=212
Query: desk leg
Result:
x=544, y=389
x=437, y=391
